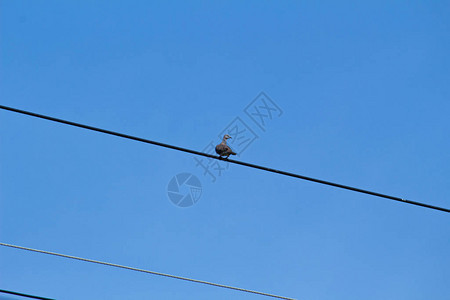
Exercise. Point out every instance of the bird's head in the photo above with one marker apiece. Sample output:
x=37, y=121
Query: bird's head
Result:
x=226, y=137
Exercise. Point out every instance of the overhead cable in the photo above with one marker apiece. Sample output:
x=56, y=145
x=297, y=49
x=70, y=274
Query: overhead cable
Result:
x=145, y=271
x=110, y=132
x=24, y=295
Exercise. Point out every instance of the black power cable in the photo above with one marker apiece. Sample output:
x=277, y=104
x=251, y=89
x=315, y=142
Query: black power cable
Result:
x=228, y=160
x=24, y=295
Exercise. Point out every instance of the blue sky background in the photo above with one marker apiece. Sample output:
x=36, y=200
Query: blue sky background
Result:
x=364, y=89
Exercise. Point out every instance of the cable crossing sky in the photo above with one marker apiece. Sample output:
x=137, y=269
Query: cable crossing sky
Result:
x=219, y=158
x=23, y=295
x=144, y=271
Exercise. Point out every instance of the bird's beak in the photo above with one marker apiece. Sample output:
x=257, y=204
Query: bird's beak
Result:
x=229, y=137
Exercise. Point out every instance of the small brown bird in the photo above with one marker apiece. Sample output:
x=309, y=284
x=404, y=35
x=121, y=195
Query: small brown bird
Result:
x=223, y=149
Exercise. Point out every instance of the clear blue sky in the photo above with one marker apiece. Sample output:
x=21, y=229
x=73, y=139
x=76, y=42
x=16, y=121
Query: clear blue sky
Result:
x=364, y=89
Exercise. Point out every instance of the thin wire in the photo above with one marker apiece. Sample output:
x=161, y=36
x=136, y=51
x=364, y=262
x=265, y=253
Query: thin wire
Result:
x=24, y=295
x=228, y=160
x=145, y=271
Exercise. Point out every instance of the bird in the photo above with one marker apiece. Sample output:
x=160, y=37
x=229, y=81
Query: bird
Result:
x=223, y=149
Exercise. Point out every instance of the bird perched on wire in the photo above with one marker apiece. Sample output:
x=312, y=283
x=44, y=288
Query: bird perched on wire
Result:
x=223, y=149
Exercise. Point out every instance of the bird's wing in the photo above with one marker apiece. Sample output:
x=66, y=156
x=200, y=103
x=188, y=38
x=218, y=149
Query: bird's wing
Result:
x=223, y=149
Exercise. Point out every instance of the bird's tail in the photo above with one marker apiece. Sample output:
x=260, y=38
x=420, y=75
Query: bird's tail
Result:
x=233, y=153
